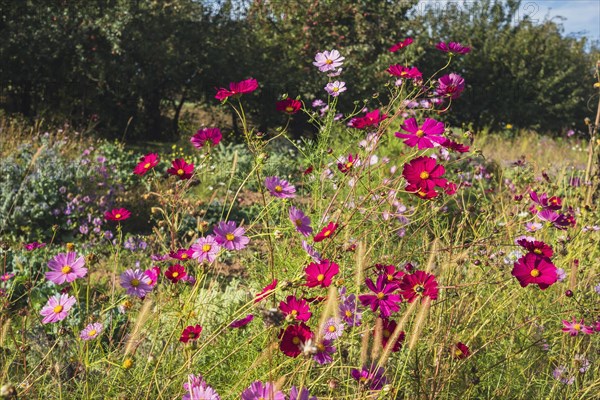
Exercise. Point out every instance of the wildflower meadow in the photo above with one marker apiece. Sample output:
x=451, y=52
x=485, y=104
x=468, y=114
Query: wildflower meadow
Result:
x=391, y=255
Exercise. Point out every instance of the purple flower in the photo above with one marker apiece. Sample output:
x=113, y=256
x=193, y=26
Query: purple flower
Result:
x=91, y=331
x=57, y=308
x=560, y=373
x=382, y=297
x=371, y=377
x=239, y=323
x=333, y=329
x=302, y=394
x=258, y=390
x=230, y=236
x=324, y=352
x=349, y=311
x=450, y=85
x=197, y=389
x=335, y=88
x=314, y=254
x=300, y=221
x=135, y=282
x=66, y=268
x=205, y=249
x=279, y=187
x=328, y=60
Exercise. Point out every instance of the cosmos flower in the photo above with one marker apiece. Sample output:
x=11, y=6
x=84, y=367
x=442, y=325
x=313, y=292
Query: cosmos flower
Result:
x=295, y=309
x=372, y=118
x=279, y=187
x=239, y=323
x=205, y=249
x=575, y=327
x=537, y=247
x=117, y=214
x=146, y=163
x=406, y=42
x=152, y=275
x=326, y=232
x=304, y=394
x=175, y=273
x=135, y=282
x=181, y=169
x=543, y=202
x=536, y=270
x=453, y=48
x=455, y=146
x=288, y=106
x=323, y=353
x=301, y=221
x=388, y=327
x=335, y=88
x=382, y=298
x=190, y=333
x=212, y=136
x=321, y=274
x=424, y=173
x=328, y=60
x=57, y=308
x=197, y=389
x=181, y=254
x=293, y=338
x=450, y=85
x=91, y=331
x=560, y=373
x=237, y=88
x=266, y=292
x=405, y=72
x=230, y=236
x=333, y=329
x=419, y=284
x=350, y=311
x=257, y=390
x=424, y=136
x=370, y=377
x=345, y=165
x=66, y=268
x=461, y=350
x=33, y=246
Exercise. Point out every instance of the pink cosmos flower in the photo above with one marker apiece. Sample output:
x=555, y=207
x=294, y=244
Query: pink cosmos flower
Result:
x=57, y=308
x=6, y=277
x=455, y=146
x=333, y=329
x=372, y=118
x=326, y=232
x=405, y=72
x=146, y=163
x=237, y=88
x=419, y=284
x=453, y=48
x=212, y=136
x=328, y=60
x=230, y=236
x=288, y=106
x=91, y=331
x=295, y=309
x=152, y=275
x=135, y=282
x=280, y=187
x=205, y=249
x=117, y=214
x=181, y=169
x=191, y=332
x=388, y=327
x=574, y=328
x=461, y=350
x=424, y=173
x=535, y=269
x=267, y=391
x=450, y=85
x=424, y=136
x=372, y=377
x=33, y=246
x=321, y=274
x=266, y=292
x=66, y=268
x=335, y=88
x=181, y=254
x=293, y=338
x=383, y=298
x=544, y=202
x=301, y=221
x=406, y=42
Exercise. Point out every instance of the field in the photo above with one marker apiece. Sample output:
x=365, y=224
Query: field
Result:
x=385, y=256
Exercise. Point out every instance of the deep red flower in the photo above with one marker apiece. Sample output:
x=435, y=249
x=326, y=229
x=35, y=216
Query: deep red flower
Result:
x=405, y=72
x=175, y=273
x=266, y=292
x=321, y=274
x=391, y=273
x=455, y=146
x=181, y=169
x=235, y=88
x=406, y=42
x=117, y=214
x=537, y=247
x=419, y=284
x=388, y=327
x=461, y=350
x=182, y=254
x=372, y=118
x=420, y=192
x=424, y=173
x=294, y=338
x=296, y=309
x=326, y=232
x=536, y=270
x=288, y=106
x=146, y=163
x=190, y=333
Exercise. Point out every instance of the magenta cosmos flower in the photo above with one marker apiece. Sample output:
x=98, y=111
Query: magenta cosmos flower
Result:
x=321, y=274
x=345, y=164
x=301, y=221
x=536, y=246
x=424, y=136
x=372, y=118
x=175, y=273
x=181, y=169
x=266, y=291
x=280, y=187
x=424, y=173
x=453, y=48
x=543, y=202
x=450, y=85
x=57, y=308
x=574, y=328
x=297, y=394
x=294, y=338
x=295, y=309
x=335, y=88
x=66, y=268
x=288, y=106
x=388, y=327
x=152, y=275
x=419, y=284
x=267, y=391
x=230, y=236
x=91, y=331
x=328, y=60
x=326, y=232
x=190, y=333
x=212, y=136
x=371, y=377
x=535, y=269
x=205, y=249
x=405, y=72
x=33, y=246
x=382, y=298
x=135, y=282
x=406, y=42
x=240, y=323
x=237, y=88
x=146, y=163
x=117, y=214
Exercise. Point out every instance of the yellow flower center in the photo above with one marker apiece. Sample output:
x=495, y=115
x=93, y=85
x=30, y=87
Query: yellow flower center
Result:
x=175, y=274
x=147, y=165
x=135, y=282
x=321, y=347
x=320, y=277
x=298, y=222
x=289, y=109
x=348, y=313
x=349, y=164
x=386, y=333
x=66, y=269
x=537, y=251
x=278, y=189
x=118, y=216
x=424, y=175
x=296, y=340
x=422, y=193
x=380, y=295
x=331, y=328
x=335, y=89
x=206, y=247
x=458, y=353
x=92, y=332
x=420, y=133
x=184, y=256
x=329, y=61
x=403, y=73
x=390, y=277
x=294, y=313
x=230, y=236
x=180, y=171
x=128, y=363
x=327, y=233
x=535, y=273
x=58, y=309
x=577, y=327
